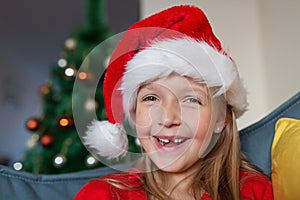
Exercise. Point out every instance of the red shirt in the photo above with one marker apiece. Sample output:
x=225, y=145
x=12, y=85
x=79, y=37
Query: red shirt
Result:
x=254, y=187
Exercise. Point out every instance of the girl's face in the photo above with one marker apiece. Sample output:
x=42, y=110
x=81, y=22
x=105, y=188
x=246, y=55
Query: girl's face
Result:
x=175, y=119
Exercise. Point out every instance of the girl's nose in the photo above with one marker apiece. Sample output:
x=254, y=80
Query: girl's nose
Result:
x=171, y=114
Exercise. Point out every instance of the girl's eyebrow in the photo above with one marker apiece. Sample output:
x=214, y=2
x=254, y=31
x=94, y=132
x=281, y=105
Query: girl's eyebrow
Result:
x=197, y=89
x=149, y=86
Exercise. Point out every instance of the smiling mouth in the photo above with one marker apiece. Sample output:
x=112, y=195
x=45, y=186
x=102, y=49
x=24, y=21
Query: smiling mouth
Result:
x=175, y=141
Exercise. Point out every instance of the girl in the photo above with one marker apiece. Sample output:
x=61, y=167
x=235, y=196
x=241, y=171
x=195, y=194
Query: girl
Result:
x=171, y=79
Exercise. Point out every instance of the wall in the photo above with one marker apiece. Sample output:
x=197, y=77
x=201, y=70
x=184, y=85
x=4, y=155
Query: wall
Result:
x=262, y=37
x=280, y=27
x=31, y=37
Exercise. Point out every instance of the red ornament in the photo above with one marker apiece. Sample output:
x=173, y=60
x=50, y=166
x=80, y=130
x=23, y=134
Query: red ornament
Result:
x=45, y=89
x=47, y=140
x=33, y=124
x=85, y=76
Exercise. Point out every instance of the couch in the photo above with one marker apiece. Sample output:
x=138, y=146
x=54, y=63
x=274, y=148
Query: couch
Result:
x=256, y=141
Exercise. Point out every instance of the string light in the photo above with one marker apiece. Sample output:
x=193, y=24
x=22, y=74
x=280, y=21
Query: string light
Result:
x=65, y=121
x=18, y=166
x=32, y=142
x=59, y=160
x=91, y=160
x=71, y=43
x=62, y=63
x=69, y=72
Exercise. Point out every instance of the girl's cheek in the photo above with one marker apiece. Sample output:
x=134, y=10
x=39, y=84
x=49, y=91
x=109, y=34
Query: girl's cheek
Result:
x=191, y=118
x=146, y=116
x=143, y=124
x=143, y=119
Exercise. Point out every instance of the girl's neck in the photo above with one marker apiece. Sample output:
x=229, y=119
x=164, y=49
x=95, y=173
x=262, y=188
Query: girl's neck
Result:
x=179, y=184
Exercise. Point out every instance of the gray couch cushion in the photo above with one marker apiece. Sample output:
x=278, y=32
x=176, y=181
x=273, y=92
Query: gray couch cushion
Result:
x=15, y=185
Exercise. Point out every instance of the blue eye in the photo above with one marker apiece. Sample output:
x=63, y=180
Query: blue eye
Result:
x=150, y=98
x=193, y=100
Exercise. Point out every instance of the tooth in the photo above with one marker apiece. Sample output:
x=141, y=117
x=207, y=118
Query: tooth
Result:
x=178, y=141
x=165, y=140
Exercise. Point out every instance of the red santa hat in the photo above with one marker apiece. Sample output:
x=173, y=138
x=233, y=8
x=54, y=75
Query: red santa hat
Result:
x=179, y=39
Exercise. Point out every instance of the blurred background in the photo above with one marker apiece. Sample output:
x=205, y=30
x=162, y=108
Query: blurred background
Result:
x=32, y=36
x=261, y=36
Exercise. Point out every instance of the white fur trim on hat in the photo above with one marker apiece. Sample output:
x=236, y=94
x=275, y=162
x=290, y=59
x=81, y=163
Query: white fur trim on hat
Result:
x=187, y=57
x=106, y=139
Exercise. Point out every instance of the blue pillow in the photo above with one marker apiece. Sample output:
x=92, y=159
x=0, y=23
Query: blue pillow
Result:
x=23, y=185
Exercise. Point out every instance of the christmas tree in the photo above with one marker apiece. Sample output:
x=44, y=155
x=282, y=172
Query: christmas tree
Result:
x=55, y=146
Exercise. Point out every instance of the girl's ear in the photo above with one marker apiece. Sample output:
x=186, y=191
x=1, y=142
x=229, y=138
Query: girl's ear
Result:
x=219, y=126
x=220, y=121
x=221, y=114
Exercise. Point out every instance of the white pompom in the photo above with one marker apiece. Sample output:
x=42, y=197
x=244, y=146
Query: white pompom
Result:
x=109, y=140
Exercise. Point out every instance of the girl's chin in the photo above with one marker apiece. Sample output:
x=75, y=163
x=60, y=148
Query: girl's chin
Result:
x=168, y=163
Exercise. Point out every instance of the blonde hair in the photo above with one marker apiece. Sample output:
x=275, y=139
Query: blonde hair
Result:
x=218, y=172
